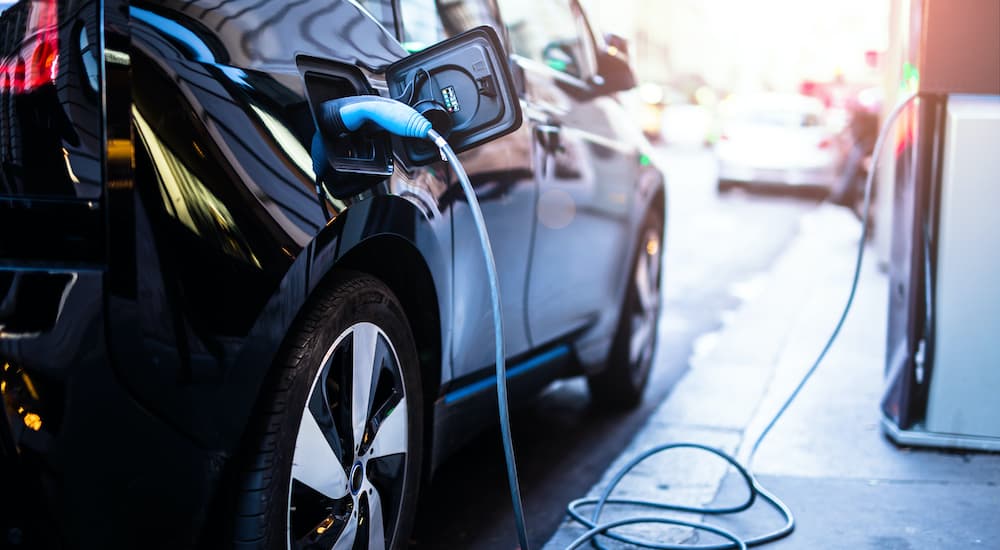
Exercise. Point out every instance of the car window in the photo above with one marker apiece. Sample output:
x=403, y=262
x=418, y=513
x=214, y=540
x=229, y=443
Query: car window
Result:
x=426, y=22
x=782, y=111
x=788, y=118
x=810, y=120
x=381, y=10
x=551, y=32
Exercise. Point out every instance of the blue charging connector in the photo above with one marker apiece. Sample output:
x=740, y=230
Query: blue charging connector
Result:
x=350, y=114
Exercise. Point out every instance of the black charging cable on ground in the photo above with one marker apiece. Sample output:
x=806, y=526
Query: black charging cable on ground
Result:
x=349, y=114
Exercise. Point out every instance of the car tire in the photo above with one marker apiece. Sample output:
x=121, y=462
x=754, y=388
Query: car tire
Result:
x=318, y=471
x=621, y=384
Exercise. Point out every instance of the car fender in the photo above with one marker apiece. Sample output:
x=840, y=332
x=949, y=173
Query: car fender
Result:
x=362, y=225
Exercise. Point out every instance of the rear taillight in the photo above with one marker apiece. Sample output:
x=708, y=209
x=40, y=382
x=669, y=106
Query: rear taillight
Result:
x=36, y=62
x=826, y=143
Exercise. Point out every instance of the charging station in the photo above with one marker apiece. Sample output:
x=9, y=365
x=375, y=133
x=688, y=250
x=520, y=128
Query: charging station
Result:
x=942, y=363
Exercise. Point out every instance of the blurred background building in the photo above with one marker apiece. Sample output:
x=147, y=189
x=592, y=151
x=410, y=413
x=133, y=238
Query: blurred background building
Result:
x=691, y=55
x=740, y=46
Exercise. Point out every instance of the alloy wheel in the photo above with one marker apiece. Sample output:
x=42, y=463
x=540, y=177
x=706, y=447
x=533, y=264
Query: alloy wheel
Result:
x=351, y=450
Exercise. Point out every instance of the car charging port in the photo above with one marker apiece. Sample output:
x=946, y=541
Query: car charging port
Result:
x=346, y=164
x=463, y=86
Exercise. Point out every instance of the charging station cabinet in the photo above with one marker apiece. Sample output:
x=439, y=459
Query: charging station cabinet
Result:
x=962, y=396
x=943, y=357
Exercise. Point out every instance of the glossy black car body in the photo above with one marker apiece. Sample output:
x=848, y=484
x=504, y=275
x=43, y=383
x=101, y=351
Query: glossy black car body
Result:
x=161, y=229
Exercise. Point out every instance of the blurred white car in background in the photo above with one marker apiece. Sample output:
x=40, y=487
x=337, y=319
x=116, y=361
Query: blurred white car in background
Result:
x=778, y=139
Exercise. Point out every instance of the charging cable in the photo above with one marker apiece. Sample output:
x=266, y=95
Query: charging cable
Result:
x=501, y=369
x=351, y=113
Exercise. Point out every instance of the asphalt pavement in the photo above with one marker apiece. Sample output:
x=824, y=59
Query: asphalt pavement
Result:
x=718, y=253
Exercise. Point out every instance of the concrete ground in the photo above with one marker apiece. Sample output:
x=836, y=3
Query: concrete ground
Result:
x=848, y=486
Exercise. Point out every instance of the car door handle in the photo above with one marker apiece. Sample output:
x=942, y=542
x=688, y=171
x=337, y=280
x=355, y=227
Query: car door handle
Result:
x=549, y=137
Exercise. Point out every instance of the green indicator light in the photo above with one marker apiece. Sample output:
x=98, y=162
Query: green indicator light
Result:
x=414, y=47
x=644, y=160
x=450, y=99
x=911, y=78
x=556, y=64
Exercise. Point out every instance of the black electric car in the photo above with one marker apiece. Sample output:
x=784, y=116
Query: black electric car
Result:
x=209, y=339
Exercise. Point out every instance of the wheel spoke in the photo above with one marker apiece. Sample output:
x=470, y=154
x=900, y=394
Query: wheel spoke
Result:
x=346, y=539
x=655, y=261
x=391, y=433
x=365, y=376
x=315, y=463
x=376, y=528
x=645, y=287
x=642, y=332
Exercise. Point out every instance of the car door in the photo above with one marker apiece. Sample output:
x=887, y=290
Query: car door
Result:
x=586, y=169
x=501, y=172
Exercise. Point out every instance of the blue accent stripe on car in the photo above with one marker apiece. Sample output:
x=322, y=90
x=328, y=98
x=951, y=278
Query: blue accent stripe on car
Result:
x=516, y=370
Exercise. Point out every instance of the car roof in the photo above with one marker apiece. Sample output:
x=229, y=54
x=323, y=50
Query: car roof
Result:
x=771, y=102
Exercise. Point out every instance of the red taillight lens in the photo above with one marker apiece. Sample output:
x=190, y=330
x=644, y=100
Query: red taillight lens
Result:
x=826, y=143
x=44, y=62
x=36, y=62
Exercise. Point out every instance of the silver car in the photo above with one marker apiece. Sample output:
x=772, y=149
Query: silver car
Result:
x=776, y=139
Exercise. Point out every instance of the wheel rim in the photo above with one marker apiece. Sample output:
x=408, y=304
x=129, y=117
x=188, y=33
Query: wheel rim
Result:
x=646, y=306
x=350, y=461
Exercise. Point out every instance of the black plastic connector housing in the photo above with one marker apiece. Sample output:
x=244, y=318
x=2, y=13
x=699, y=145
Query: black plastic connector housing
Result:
x=346, y=164
x=466, y=79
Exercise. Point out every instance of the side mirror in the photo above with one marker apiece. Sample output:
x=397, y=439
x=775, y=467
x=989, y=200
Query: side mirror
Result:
x=613, y=67
x=463, y=86
x=559, y=56
x=616, y=44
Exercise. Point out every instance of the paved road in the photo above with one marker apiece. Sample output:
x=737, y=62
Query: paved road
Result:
x=715, y=249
